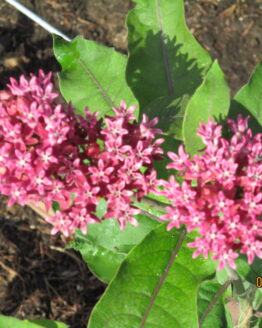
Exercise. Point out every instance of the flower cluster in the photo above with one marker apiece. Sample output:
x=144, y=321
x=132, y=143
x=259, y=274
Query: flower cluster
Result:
x=47, y=152
x=220, y=194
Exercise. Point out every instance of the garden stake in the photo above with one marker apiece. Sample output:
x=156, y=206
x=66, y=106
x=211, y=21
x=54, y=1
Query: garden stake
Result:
x=40, y=21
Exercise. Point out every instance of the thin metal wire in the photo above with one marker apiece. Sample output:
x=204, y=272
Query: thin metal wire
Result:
x=34, y=17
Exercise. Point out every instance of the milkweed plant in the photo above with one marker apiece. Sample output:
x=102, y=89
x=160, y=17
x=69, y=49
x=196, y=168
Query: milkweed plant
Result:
x=150, y=169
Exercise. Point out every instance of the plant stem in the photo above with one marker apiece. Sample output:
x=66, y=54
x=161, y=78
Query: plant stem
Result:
x=156, y=218
x=149, y=204
x=152, y=203
x=221, y=290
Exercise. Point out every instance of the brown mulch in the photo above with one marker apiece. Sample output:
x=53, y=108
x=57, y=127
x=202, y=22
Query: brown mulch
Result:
x=39, y=278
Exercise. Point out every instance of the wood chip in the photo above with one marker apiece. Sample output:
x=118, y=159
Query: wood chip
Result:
x=228, y=12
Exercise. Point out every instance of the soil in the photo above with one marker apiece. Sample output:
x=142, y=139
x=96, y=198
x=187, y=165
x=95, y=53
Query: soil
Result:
x=39, y=278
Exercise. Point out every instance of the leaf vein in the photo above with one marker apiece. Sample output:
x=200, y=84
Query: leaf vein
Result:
x=93, y=78
x=163, y=278
x=170, y=82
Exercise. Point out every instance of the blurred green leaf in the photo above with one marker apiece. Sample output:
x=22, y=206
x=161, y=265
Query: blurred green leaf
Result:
x=101, y=208
x=48, y=323
x=10, y=322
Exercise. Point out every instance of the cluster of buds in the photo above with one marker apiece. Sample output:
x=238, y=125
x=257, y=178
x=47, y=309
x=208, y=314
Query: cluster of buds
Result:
x=220, y=194
x=49, y=153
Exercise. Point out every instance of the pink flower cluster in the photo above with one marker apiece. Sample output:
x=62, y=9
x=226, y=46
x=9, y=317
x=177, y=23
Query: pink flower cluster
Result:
x=47, y=152
x=220, y=194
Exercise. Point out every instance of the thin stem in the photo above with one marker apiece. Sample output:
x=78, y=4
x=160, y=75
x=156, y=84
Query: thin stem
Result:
x=163, y=278
x=221, y=290
x=150, y=203
x=156, y=218
x=153, y=203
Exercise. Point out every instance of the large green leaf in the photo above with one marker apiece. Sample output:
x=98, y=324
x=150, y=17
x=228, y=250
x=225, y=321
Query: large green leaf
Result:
x=165, y=61
x=106, y=246
x=156, y=285
x=250, y=95
x=211, y=99
x=10, y=322
x=248, y=100
x=92, y=75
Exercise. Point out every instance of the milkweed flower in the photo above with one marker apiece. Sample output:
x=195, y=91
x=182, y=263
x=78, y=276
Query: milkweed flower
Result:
x=221, y=193
x=48, y=152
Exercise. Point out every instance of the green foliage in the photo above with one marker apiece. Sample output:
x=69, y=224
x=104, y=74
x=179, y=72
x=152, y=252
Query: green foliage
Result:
x=247, y=271
x=210, y=100
x=248, y=100
x=153, y=281
x=10, y=322
x=166, y=64
x=106, y=246
x=257, y=305
x=92, y=75
x=156, y=285
x=101, y=208
x=217, y=316
x=250, y=96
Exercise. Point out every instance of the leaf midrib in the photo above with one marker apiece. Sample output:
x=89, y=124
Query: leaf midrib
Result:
x=163, y=278
x=169, y=78
x=93, y=78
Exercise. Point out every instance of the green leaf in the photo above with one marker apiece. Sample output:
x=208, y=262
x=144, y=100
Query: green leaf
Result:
x=257, y=306
x=236, y=108
x=56, y=206
x=154, y=205
x=216, y=318
x=92, y=75
x=211, y=99
x=101, y=208
x=248, y=100
x=249, y=271
x=222, y=276
x=250, y=95
x=229, y=318
x=48, y=323
x=170, y=113
x=105, y=246
x=170, y=144
x=10, y=322
x=156, y=285
x=164, y=60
